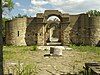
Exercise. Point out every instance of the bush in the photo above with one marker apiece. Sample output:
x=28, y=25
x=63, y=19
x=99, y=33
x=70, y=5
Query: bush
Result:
x=34, y=48
x=86, y=48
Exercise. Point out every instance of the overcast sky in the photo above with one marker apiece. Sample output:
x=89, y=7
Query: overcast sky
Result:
x=31, y=7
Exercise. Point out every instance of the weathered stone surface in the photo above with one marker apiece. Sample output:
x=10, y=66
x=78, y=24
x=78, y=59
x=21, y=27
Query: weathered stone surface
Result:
x=55, y=51
x=71, y=29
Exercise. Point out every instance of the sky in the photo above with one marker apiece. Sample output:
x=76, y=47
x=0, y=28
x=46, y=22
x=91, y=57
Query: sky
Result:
x=31, y=7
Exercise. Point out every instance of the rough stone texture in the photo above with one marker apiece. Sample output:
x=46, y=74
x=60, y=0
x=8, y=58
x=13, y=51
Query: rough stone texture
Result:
x=15, y=32
x=95, y=30
x=77, y=29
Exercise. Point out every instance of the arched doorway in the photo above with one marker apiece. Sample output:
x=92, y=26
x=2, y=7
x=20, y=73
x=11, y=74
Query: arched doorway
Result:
x=53, y=29
x=54, y=32
x=47, y=30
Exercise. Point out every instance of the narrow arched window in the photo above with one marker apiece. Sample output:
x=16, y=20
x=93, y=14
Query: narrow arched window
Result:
x=18, y=33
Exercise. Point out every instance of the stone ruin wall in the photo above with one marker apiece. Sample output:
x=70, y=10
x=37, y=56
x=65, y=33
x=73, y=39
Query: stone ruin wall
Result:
x=95, y=30
x=79, y=33
x=15, y=31
x=24, y=31
x=81, y=29
x=85, y=30
x=65, y=31
x=31, y=33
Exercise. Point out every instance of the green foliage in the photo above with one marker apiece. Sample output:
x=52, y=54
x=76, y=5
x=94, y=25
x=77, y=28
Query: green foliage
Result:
x=34, y=48
x=20, y=54
x=86, y=48
x=22, y=69
x=93, y=13
x=20, y=51
x=8, y=4
x=19, y=16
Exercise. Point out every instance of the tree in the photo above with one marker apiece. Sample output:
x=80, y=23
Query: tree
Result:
x=93, y=13
x=1, y=41
x=3, y=25
x=9, y=5
x=20, y=16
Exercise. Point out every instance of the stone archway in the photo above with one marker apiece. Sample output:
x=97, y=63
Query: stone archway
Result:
x=53, y=33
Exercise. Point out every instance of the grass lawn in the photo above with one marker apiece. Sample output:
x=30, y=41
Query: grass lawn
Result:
x=35, y=63
x=86, y=49
x=14, y=56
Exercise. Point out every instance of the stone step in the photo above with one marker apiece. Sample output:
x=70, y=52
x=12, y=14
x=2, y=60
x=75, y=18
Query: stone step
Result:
x=54, y=44
x=48, y=47
x=55, y=51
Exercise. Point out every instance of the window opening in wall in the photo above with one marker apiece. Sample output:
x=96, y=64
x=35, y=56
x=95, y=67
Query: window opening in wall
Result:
x=40, y=34
x=35, y=42
x=18, y=33
x=36, y=34
x=33, y=33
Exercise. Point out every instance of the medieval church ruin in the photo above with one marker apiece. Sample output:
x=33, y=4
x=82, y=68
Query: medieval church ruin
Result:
x=79, y=29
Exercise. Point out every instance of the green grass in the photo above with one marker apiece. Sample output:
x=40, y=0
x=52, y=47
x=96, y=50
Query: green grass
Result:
x=22, y=54
x=25, y=54
x=86, y=48
x=19, y=51
x=22, y=69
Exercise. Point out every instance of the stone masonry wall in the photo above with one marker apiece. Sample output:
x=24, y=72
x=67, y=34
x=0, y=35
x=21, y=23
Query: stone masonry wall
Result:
x=31, y=32
x=83, y=30
x=79, y=33
x=75, y=29
x=95, y=30
x=65, y=30
x=40, y=34
x=15, y=32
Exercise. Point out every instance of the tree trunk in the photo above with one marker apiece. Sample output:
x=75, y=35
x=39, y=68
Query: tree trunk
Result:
x=1, y=41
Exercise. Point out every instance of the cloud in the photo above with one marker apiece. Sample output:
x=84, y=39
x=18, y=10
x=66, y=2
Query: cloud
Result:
x=33, y=10
x=68, y=6
x=77, y=6
x=57, y=4
x=17, y=4
x=27, y=11
x=38, y=2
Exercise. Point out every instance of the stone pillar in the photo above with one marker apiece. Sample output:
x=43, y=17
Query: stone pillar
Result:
x=65, y=31
x=41, y=34
x=51, y=33
x=55, y=51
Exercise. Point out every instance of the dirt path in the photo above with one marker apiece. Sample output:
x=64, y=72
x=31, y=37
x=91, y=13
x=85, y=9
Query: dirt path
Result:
x=71, y=61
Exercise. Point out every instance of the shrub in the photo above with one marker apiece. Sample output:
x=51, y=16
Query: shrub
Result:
x=34, y=48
